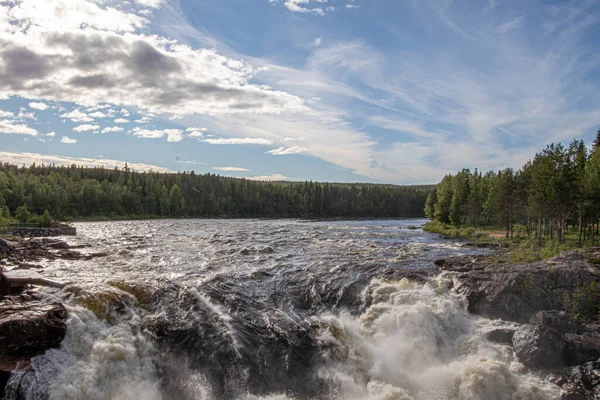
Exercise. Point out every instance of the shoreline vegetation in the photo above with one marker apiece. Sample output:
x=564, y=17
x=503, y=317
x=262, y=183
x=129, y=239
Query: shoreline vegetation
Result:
x=42, y=194
x=550, y=205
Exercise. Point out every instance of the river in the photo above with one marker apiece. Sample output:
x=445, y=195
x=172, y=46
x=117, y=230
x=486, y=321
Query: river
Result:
x=253, y=309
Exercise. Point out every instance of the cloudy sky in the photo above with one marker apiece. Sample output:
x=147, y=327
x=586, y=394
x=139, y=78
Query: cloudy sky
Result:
x=398, y=91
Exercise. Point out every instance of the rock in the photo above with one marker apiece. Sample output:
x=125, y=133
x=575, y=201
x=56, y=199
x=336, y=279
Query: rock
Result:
x=29, y=328
x=515, y=292
x=537, y=346
x=559, y=321
x=580, y=382
x=502, y=335
x=582, y=348
x=105, y=301
x=59, y=245
x=440, y=262
x=6, y=247
x=267, y=250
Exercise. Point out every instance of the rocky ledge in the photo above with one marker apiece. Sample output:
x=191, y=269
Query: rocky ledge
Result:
x=556, y=305
x=28, y=327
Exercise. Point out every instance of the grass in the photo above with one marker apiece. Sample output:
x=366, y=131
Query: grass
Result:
x=467, y=233
x=521, y=249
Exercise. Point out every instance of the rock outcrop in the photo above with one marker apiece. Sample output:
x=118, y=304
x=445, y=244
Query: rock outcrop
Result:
x=516, y=292
x=27, y=329
x=555, y=301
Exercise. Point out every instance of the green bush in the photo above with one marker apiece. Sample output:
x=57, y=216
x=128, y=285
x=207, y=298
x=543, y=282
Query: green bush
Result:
x=22, y=214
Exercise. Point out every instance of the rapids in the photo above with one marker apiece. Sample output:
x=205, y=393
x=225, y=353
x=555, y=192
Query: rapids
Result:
x=247, y=309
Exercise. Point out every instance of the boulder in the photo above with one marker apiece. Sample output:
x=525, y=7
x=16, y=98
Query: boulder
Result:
x=538, y=346
x=30, y=328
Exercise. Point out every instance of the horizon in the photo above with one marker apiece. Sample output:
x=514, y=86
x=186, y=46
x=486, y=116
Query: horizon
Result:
x=340, y=91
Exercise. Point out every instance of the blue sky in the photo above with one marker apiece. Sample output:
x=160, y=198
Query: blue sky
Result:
x=331, y=90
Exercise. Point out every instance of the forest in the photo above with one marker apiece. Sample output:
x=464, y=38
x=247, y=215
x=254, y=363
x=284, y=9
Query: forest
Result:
x=39, y=193
x=559, y=188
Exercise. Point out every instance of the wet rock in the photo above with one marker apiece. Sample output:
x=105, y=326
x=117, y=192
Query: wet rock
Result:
x=267, y=250
x=59, y=245
x=537, y=346
x=29, y=328
x=105, y=302
x=502, y=335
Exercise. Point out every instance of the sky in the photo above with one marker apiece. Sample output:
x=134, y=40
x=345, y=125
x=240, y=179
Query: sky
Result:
x=382, y=91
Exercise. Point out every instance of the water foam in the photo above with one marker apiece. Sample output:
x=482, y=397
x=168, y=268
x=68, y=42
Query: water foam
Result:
x=417, y=341
x=96, y=361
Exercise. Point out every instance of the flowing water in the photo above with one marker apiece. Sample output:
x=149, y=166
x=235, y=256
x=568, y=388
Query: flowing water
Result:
x=247, y=309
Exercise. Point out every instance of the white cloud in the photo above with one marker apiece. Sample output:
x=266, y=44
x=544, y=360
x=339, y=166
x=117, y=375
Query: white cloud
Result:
x=173, y=135
x=230, y=169
x=143, y=120
x=86, y=127
x=39, y=106
x=189, y=162
x=68, y=140
x=23, y=114
x=272, y=177
x=97, y=114
x=51, y=134
x=318, y=41
x=246, y=140
x=191, y=129
x=112, y=129
x=295, y=6
x=6, y=114
x=10, y=127
x=282, y=151
x=352, y=6
x=89, y=53
x=30, y=158
x=77, y=116
x=124, y=112
x=121, y=121
x=150, y=3
x=196, y=132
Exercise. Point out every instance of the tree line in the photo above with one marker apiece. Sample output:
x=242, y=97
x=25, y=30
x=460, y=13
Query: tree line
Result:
x=559, y=187
x=72, y=192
